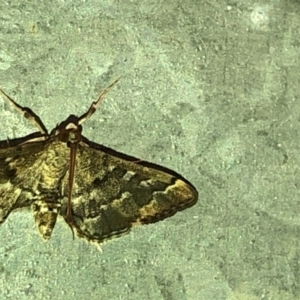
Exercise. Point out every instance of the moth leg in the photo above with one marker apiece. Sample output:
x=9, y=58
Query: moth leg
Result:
x=95, y=104
x=69, y=216
x=26, y=112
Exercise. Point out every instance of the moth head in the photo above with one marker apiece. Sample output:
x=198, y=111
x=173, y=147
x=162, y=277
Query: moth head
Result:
x=69, y=131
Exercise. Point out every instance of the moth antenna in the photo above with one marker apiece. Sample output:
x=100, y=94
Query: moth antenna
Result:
x=95, y=104
x=26, y=112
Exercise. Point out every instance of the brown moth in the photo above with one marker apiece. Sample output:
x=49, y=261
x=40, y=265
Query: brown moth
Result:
x=100, y=192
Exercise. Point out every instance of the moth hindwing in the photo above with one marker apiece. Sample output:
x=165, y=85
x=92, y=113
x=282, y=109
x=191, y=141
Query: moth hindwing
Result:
x=100, y=193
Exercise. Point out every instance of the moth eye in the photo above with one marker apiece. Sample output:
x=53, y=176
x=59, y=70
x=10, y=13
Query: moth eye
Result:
x=63, y=136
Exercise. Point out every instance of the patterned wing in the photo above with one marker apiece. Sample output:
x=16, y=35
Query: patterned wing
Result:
x=13, y=161
x=31, y=170
x=113, y=192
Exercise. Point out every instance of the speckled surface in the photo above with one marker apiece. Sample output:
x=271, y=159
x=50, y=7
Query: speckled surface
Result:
x=208, y=89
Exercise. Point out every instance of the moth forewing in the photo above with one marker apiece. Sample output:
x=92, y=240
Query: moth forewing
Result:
x=113, y=192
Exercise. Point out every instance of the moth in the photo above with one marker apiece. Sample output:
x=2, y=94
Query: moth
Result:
x=100, y=193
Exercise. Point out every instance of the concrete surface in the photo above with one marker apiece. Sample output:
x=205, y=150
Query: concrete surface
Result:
x=209, y=89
